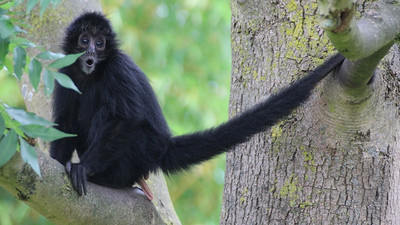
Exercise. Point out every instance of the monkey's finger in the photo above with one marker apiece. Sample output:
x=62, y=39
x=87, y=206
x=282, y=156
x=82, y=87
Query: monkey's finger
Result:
x=79, y=181
x=74, y=180
x=83, y=174
x=84, y=186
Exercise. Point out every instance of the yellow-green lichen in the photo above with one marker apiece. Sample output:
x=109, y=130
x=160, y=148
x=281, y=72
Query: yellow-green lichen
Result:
x=37, y=22
x=276, y=130
x=255, y=74
x=292, y=6
x=247, y=70
x=66, y=186
x=305, y=204
x=272, y=189
x=244, y=193
x=301, y=33
x=308, y=160
x=290, y=190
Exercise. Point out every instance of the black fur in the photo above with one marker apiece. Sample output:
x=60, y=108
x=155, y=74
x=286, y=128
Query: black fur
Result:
x=122, y=133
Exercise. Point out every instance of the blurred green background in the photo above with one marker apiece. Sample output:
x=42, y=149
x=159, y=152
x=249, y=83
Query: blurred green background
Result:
x=184, y=48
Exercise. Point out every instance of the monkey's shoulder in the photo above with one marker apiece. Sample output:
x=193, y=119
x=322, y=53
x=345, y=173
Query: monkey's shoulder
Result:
x=122, y=73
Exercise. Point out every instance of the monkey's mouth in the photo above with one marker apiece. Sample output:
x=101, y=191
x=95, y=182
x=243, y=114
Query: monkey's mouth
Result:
x=90, y=63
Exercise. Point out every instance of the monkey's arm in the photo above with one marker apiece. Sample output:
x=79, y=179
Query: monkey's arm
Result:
x=62, y=149
x=66, y=120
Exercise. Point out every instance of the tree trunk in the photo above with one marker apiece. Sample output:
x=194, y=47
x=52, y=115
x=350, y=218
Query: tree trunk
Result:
x=334, y=160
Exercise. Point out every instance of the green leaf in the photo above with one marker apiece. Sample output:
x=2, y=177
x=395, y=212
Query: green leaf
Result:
x=65, y=81
x=65, y=61
x=45, y=133
x=3, y=11
x=7, y=28
x=29, y=155
x=8, y=147
x=17, y=2
x=8, y=65
x=4, y=43
x=7, y=5
x=19, y=61
x=43, y=6
x=2, y=126
x=35, y=68
x=22, y=42
x=31, y=4
x=48, y=55
x=27, y=118
x=10, y=123
x=48, y=80
x=19, y=29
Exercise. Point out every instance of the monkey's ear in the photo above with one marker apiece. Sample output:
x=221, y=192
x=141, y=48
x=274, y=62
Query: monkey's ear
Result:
x=106, y=30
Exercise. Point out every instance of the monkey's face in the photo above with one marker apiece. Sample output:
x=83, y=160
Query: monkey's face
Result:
x=94, y=46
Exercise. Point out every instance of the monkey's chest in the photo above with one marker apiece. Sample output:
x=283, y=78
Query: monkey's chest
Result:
x=89, y=108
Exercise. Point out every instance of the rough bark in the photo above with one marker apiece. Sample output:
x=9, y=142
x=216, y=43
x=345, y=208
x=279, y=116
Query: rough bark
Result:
x=53, y=196
x=335, y=160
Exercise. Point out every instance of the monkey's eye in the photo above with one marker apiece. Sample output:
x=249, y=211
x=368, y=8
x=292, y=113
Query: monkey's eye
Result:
x=99, y=44
x=85, y=41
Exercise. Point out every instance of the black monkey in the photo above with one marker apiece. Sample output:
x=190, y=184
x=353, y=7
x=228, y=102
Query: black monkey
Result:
x=121, y=132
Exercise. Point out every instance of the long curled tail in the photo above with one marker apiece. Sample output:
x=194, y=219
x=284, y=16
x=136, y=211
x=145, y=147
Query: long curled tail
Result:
x=190, y=149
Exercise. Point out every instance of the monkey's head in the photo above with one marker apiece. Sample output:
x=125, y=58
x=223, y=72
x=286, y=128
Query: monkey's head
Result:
x=90, y=33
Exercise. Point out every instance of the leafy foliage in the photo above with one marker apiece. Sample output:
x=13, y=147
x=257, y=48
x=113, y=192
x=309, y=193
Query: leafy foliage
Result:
x=8, y=146
x=64, y=61
x=29, y=155
x=27, y=118
x=35, y=70
x=62, y=79
x=19, y=61
x=16, y=125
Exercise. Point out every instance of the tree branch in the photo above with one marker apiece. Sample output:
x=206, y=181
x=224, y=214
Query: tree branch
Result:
x=361, y=38
x=53, y=196
x=365, y=41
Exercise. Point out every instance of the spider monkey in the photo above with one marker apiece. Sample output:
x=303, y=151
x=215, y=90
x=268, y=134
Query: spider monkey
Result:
x=121, y=132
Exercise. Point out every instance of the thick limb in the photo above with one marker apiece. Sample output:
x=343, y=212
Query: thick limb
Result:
x=65, y=116
x=62, y=149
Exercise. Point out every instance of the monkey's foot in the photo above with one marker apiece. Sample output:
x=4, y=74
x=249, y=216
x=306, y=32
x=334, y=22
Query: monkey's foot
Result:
x=145, y=188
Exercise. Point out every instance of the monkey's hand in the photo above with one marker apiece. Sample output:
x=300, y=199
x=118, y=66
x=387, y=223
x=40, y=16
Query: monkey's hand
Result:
x=78, y=174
